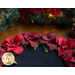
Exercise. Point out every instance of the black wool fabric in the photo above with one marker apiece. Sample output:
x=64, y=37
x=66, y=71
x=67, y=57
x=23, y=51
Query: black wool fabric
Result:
x=38, y=58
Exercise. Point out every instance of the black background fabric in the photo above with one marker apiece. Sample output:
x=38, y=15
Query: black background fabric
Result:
x=38, y=58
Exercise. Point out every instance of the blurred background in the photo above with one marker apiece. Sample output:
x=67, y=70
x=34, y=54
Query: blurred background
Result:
x=55, y=20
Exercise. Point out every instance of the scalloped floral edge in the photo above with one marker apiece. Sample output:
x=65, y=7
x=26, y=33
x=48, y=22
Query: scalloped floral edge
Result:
x=49, y=41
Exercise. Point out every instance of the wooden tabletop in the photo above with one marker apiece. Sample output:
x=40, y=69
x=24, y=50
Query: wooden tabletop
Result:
x=21, y=26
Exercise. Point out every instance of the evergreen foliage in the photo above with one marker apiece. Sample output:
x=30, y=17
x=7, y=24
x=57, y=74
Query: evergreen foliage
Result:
x=7, y=17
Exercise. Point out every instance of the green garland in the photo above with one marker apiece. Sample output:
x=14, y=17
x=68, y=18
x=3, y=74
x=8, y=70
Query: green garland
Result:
x=7, y=17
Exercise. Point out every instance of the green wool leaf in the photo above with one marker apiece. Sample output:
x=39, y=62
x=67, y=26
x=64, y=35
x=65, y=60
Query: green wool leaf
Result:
x=46, y=48
x=23, y=42
x=12, y=53
x=56, y=48
x=11, y=36
x=15, y=62
x=36, y=46
x=64, y=53
x=43, y=34
x=72, y=50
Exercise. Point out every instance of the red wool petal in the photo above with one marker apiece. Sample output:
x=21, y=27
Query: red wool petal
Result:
x=67, y=57
x=33, y=35
x=36, y=35
x=4, y=44
x=73, y=59
x=51, y=46
x=65, y=42
x=18, y=38
x=33, y=43
x=26, y=43
x=60, y=51
x=74, y=42
x=66, y=50
x=50, y=35
x=18, y=50
x=26, y=33
x=70, y=64
x=26, y=37
x=7, y=44
x=2, y=51
x=41, y=41
x=45, y=37
x=61, y=41
x=9, y=48
x=71, y=43
x=9, y=40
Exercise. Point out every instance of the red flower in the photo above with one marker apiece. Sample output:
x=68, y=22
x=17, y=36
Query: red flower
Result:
x=12, y=43
x=49, y=39
x=37, y=10
x=65, y=45
x=2, y=51
x=69, y=58
x=54, y=11
x=31, y=37
x=49, y=9
x=25, y=12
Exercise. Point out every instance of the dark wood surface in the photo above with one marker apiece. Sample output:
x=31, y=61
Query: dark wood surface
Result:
x=21, y=26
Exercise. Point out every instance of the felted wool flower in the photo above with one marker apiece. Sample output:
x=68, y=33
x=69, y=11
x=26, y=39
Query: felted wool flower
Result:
x=65, y=45
x=12, y=44
x=2, y=51
x=31, y=38
x=49, y=40
x=69, y=59
x=54, y=11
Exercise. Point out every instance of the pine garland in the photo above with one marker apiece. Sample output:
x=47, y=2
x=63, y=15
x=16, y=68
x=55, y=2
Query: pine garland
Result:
x=7, y=17
x=41, y=16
